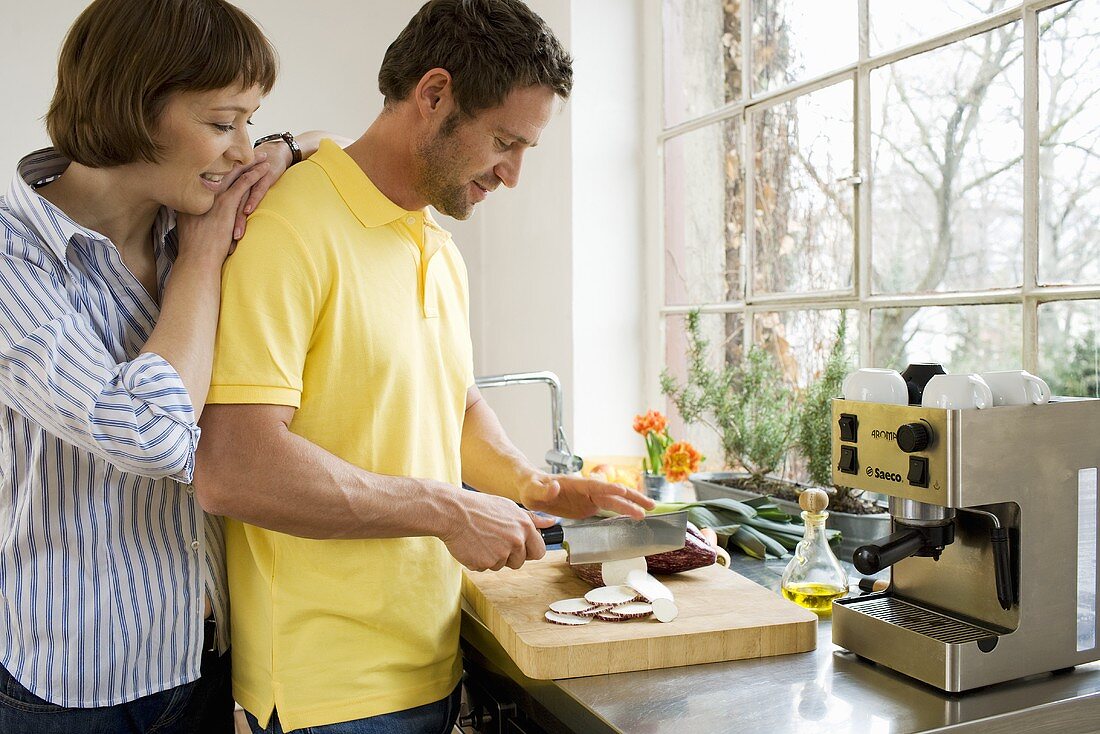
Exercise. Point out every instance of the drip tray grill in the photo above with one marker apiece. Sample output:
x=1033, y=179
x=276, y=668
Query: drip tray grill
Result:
x=917, y=619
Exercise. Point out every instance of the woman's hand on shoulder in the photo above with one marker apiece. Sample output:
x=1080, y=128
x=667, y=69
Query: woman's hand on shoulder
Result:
x=215, y=233
x=279, y=159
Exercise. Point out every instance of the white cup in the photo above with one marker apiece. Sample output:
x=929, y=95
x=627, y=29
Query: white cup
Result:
x=957, y=392
x=1017, y=387
x=873, y=385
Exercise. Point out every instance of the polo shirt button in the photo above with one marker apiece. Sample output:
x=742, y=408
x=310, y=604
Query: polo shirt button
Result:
x=190, y=489
x=194, y=545
x=410, y=220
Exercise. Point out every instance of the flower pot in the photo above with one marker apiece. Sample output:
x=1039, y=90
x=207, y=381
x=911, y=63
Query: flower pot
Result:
x=855, y=530
x=657, y=487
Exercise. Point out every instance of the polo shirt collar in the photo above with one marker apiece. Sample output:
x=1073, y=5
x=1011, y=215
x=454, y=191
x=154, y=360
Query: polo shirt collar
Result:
x=370, y=206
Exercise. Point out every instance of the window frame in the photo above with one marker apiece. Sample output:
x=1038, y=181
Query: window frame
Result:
x=1029, y=296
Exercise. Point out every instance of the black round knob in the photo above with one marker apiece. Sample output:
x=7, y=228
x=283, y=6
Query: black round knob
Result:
x=866, y=560
x=914, y=437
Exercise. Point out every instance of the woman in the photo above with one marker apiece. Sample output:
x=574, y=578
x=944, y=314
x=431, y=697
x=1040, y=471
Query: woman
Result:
x=112, y=582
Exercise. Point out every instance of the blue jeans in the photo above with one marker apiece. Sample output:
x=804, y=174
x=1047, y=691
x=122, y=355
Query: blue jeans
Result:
x=431, y=718
x=204, y=705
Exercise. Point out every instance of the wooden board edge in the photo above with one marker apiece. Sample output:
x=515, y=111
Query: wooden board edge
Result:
x=529, y=661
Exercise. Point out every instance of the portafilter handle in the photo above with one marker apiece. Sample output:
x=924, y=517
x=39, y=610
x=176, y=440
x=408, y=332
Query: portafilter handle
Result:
x=879, y=554
x=907, y=540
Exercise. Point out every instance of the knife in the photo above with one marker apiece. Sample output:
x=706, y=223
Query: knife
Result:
x=618, y=538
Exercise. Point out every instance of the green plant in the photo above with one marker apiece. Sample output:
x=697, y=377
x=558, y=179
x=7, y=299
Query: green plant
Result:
x=815, y=418
x=750, y=406
x=757, y=527
x=1077, y=370
x=815, y=428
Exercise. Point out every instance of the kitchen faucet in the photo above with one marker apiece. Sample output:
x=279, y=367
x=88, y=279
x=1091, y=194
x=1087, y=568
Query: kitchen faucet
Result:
x=560, y=458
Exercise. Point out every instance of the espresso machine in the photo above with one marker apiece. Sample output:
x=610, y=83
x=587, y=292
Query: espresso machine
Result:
x=993, y=552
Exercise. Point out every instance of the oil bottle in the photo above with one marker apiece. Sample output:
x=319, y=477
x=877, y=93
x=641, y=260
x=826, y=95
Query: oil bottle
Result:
x=814, y=576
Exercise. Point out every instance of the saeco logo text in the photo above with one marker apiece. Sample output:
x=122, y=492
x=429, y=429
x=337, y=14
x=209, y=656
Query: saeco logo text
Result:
x=874, y=471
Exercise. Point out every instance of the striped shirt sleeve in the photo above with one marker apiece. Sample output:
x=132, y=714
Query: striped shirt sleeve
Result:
x=56, y=370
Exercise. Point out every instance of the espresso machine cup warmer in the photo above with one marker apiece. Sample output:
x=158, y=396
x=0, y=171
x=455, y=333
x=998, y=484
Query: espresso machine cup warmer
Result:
x=994, y=547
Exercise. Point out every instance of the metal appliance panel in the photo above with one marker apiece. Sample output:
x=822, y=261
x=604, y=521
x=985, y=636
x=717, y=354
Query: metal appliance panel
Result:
x=1024, y=464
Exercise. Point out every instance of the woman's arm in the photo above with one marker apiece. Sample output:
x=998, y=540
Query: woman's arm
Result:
x=56, y=371
x=184, y=334
x=280, y=158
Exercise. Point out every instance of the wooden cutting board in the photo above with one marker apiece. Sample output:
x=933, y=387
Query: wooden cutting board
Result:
x=723, y=616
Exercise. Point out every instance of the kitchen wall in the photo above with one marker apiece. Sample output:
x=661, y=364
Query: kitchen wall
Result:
x=555, y=265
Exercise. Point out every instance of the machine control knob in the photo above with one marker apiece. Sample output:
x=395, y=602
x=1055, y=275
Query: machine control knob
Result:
x=914, y=437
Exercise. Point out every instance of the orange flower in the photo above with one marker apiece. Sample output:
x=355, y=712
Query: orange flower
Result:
x=680, y=459
x=651, y=422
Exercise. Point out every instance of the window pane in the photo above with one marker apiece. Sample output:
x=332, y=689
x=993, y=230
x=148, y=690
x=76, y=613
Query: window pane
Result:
x=1069, y=354
x=961, y=338
x=947, y=147
x=895, y=24
x=1069, y=139
x=724, y=334
x=702, y=57
x=803, y=222
x=801, y=341
x=794, y=40
x=704, y=214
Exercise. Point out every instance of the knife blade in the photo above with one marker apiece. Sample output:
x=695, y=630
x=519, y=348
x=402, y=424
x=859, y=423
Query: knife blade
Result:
x=618, y=538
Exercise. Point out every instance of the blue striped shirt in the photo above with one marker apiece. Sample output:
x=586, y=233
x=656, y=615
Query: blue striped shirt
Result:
x=105, y=554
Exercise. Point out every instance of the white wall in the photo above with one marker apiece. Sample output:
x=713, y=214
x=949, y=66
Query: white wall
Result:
x=608, y=235
x=555, y=265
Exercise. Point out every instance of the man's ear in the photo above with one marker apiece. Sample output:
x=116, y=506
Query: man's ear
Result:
x=434, y=95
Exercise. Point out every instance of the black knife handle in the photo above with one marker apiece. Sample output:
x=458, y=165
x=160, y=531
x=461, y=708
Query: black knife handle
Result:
x=552, y=535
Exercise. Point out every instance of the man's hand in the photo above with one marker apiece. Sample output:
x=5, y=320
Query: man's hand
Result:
x=566, y=495
x=495, y=532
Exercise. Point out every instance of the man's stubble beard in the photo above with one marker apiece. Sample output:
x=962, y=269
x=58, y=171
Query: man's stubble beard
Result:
x=438, y=172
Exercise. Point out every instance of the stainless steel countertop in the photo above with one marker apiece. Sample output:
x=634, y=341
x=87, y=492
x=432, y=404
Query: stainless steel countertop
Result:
x=827, y=690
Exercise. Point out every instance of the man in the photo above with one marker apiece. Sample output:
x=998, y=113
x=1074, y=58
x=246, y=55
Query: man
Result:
x=343, y=414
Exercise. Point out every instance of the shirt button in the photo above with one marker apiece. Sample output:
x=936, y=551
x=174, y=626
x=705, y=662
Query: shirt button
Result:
x=410, y=220
x=190, y=489
x=194, y=545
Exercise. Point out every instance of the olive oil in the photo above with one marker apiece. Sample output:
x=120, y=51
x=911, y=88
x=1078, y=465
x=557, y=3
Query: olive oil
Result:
x=815, y=597
x=814, y=576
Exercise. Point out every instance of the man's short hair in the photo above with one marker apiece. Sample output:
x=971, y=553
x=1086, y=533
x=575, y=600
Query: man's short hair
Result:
x=123, y=59
x=490, y=47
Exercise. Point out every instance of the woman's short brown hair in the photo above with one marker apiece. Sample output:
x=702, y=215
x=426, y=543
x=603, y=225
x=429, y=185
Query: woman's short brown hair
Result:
x=122, y=59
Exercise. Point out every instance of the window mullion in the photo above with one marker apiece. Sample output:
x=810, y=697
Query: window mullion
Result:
x=748, y=152
x=861, y=264
x=1030, y=318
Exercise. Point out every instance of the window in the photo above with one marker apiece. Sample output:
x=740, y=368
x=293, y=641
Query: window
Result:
x=938, y=182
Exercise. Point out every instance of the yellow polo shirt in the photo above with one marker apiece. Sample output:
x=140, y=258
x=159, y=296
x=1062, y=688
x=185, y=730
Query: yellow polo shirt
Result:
x=339, y=303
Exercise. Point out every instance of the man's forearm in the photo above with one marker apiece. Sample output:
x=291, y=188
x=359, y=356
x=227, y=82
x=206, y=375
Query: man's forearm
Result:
x=490, y=461
x=270, y=477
